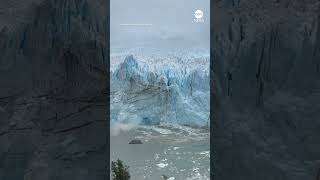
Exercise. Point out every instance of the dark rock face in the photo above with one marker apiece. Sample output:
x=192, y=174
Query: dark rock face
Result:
x=135, y=141
x=266, y=95
x=53, y=90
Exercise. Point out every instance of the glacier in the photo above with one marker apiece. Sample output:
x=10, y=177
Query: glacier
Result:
x=160, y=89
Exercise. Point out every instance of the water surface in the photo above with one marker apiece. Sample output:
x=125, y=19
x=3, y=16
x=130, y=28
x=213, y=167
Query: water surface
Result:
x=180, y=153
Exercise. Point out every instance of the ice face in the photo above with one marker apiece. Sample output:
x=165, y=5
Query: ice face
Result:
x=160, y=89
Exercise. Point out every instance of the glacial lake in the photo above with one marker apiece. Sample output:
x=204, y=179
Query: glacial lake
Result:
x=180, y=153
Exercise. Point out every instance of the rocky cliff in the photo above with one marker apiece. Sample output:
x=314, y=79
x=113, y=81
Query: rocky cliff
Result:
x=266, y=90
x=53, y=89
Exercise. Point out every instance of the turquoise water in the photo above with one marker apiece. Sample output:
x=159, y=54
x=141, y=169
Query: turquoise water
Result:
x=180, y=153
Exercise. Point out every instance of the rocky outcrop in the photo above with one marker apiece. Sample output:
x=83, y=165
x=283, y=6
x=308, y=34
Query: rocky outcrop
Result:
x=53, y=90
x=266, y=90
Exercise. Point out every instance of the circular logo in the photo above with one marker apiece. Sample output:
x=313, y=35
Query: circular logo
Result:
x=198, y=14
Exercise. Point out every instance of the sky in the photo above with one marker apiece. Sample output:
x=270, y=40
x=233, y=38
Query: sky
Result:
x=159, y=24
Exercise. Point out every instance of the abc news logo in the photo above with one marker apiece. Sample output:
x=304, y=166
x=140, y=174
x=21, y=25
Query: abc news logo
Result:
x=198, y=14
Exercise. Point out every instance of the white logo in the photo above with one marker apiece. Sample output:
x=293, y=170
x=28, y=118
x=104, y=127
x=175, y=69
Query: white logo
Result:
x=199, y=16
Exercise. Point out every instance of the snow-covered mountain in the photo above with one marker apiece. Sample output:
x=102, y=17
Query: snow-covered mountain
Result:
x=160, y=89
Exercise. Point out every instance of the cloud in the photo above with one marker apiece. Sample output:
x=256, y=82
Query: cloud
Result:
x=172, y=23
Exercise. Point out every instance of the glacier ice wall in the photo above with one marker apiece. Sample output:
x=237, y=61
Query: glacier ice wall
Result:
x=157, y=90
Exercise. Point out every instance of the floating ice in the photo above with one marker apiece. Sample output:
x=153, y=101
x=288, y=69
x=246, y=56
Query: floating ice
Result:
x=176, y=148
x=162, y=165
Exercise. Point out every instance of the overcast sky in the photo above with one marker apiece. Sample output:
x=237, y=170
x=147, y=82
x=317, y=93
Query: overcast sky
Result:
x=162, y=23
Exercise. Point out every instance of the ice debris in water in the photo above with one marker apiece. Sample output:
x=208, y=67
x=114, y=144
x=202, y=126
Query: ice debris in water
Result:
x=162, y=165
